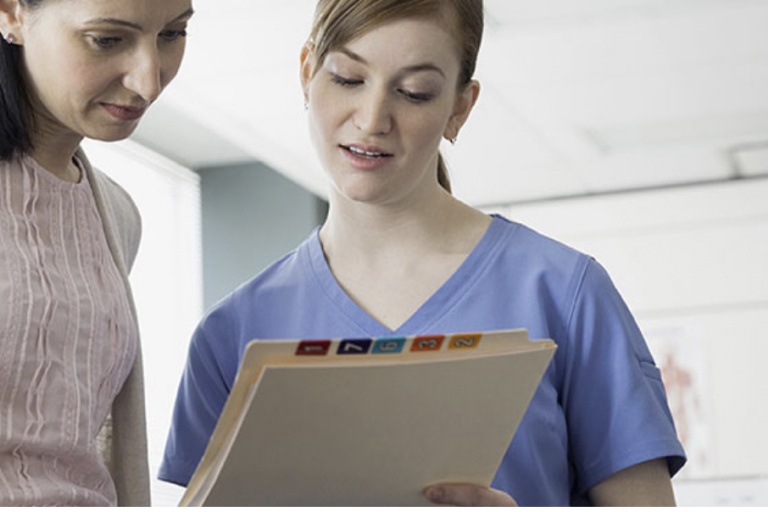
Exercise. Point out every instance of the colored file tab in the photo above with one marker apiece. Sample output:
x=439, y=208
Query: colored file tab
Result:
x=313, y=348
x=388, y=346
x=354, y=347
x=464, y=341
x=427, y=343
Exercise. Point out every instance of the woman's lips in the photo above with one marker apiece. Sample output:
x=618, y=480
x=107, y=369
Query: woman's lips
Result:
x=366, y=151
x=124, y=113
x=365, y=157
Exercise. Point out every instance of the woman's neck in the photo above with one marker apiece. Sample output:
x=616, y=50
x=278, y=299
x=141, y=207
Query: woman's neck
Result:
x=56, y=155
x=444, y=225
x=390, y=262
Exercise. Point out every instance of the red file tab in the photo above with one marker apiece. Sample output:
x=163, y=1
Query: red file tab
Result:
x=313, y=348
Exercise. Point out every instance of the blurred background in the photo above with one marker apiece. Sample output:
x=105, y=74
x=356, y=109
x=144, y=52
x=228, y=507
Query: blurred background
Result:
x=633, y=130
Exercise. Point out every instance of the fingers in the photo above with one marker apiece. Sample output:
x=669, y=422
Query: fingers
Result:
x=468, y=495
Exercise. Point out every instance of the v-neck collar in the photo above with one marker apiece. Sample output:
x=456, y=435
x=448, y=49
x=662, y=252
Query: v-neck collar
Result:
x=434, y=308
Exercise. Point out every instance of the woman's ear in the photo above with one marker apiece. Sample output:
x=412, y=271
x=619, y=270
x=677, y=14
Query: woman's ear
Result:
x=306, y=69
x=465, y=102
x=11, y=16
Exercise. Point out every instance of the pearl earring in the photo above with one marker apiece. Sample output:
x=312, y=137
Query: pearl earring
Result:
x=10, y=39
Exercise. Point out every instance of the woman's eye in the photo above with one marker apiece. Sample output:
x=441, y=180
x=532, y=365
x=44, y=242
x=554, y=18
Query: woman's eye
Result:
x=416, y=97
x=105, y=42
x=344, y=82
x=173, y=35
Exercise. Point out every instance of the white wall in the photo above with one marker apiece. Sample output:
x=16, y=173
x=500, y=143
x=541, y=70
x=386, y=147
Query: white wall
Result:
x=693, y=265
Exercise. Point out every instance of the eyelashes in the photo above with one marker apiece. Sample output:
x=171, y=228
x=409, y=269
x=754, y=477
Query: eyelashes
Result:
x=416, y=97
x=105, y=42
x=111, y=42
x=344, y=82
x=412, y=96
x=173, y=35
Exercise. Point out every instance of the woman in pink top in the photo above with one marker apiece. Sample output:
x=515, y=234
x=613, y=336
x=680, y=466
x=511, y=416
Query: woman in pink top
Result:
x=71, y=396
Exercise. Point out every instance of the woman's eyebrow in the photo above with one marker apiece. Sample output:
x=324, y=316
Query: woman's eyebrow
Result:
x=114, y=21
x=427, y=66
x=124, y=23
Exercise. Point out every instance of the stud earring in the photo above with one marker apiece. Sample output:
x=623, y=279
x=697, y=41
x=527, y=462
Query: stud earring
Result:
x=453, y=139
x=10, y=39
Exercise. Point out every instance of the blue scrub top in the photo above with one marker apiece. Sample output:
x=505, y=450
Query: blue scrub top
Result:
x=600, y=408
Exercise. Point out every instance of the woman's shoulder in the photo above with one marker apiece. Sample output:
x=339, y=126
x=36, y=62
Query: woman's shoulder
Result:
x=283, y=277
x=120, y=214
x=113, y=193
x=533, y=249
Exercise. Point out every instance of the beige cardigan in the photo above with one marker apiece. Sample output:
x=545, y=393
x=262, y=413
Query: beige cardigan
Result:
x=124, y=437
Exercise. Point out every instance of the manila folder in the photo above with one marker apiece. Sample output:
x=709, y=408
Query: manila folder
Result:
x=370, y=429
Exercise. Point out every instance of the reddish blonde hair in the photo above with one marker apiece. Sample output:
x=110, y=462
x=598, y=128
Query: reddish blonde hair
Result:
x=337, y=22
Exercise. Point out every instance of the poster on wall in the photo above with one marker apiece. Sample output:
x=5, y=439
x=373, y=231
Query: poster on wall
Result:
x=681, y=355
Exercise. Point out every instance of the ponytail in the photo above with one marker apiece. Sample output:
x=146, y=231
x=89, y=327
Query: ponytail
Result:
x=442, y=173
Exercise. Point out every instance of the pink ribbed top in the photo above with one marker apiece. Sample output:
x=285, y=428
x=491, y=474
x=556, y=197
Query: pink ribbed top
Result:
x=67, y=340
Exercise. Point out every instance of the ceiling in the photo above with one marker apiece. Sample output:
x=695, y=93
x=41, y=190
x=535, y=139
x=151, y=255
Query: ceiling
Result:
x=578, y=96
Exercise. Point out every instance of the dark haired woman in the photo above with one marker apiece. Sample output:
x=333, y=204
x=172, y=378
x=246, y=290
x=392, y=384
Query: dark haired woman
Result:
x=72, y=427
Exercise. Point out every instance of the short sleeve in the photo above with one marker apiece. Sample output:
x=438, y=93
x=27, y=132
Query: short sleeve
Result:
x=613, y=396
x=202, y=393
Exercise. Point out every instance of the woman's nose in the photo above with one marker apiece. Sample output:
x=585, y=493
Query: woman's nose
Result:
x=144, y=75
x=373, y=114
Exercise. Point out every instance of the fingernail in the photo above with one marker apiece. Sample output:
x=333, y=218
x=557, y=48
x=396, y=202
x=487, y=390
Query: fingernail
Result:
x=436, y=494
